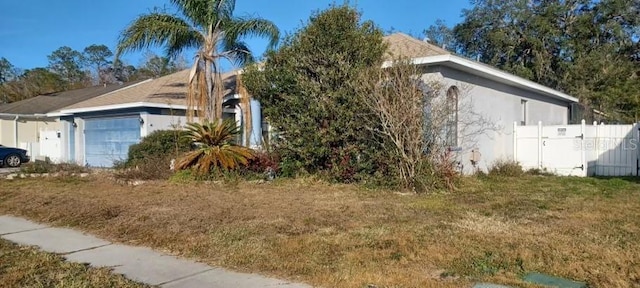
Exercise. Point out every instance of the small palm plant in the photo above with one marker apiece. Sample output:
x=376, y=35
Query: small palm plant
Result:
x=215, y=148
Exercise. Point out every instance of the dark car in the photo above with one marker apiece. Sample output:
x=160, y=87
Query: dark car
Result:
x=13, y=157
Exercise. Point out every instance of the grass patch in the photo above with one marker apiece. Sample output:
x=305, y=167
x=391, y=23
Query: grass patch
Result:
x=489, y=229
x=28, y=267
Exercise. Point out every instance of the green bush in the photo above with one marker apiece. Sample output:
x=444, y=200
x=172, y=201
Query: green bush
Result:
x=506, y=168
x=165, y=144
x=307, y=91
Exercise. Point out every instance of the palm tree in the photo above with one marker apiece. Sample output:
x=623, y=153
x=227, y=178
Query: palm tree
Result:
x=216, y=149
x=208, y=26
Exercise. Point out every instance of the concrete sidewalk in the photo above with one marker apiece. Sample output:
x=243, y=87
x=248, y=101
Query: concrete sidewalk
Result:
x=137, y=263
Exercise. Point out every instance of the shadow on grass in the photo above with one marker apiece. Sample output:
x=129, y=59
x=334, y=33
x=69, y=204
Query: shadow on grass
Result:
x=631, y=179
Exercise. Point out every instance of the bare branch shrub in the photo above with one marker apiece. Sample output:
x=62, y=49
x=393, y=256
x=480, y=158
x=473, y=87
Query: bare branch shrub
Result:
x=397, y=98
x=425, y=126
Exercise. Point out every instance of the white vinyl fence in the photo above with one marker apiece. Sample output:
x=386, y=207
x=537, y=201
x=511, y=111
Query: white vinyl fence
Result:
x=579, y=150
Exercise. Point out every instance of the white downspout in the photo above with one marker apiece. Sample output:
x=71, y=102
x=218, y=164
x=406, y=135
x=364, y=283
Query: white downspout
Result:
x=15, y=131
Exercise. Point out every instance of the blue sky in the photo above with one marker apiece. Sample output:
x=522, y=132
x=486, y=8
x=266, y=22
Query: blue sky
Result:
x=31, y=29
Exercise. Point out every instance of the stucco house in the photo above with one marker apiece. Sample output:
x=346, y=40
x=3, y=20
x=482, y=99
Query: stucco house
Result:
x=98, y=132
x=29, y=124
x=488, y=101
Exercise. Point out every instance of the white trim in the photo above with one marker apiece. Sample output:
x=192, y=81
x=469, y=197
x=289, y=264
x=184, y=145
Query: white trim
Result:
x=69, y=112
x=487, y=70
x=29, y=116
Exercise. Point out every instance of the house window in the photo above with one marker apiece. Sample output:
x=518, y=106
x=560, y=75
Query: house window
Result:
x=524, y=113
x=451, y=125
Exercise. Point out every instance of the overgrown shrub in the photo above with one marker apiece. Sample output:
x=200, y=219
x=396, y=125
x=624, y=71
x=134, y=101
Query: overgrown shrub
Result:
x=309, y=94
x=506, y=168
x=158, y=144
x=37, y=167
x=338, y=115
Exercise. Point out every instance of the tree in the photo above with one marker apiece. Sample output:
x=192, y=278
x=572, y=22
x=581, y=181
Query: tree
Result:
x=123, y=72
x=586, y=48
x=441, y=35
x=156, y=66
x=68, y=63
x=211, y=27
x=97, y=58
x=31, y=83
x=308, y=90
x=7, y=70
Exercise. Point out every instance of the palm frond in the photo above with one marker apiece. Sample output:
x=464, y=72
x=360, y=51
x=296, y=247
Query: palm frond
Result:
x=197, y=11
x=215, y=147
x=178, y=42
x=223, y=10
x=237, y=53
x=158, y=29
x=240, y=27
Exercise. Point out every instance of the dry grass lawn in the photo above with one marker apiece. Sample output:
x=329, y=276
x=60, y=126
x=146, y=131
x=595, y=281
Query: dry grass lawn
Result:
x=492, y=229
x=28, y=267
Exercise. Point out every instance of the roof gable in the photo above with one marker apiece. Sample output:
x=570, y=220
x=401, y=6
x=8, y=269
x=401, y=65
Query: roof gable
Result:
x=403, y=45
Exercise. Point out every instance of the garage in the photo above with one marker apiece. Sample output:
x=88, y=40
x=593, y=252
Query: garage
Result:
x=107, y=140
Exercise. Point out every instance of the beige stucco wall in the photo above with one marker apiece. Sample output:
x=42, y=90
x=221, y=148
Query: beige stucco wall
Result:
x=6, y=132
x=28, y=130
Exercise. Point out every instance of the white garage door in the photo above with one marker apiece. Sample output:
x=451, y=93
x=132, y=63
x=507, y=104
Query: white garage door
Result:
x=108, y=139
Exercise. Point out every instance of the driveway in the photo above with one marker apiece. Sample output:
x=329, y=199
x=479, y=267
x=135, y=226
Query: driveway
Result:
x=8, y=170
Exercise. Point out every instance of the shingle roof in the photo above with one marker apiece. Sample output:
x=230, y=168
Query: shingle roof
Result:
x=170, y=89
x=52, y=102
x=403, y=45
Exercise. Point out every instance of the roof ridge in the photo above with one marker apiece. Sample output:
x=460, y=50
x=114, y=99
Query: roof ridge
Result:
x=420, y=42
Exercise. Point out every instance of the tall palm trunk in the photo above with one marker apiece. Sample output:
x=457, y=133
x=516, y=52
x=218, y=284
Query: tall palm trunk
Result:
x=245, y=101
x=218, y=92
x=209, y=100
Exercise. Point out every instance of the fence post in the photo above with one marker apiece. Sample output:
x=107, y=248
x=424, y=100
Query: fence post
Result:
x=583, y=130
x=596, y=144
x=540, y=145
x=636, y=138
x=515, y=141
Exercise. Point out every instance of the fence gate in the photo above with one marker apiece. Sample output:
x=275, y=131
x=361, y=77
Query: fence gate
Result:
x=579, y=150
x=50, y=145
